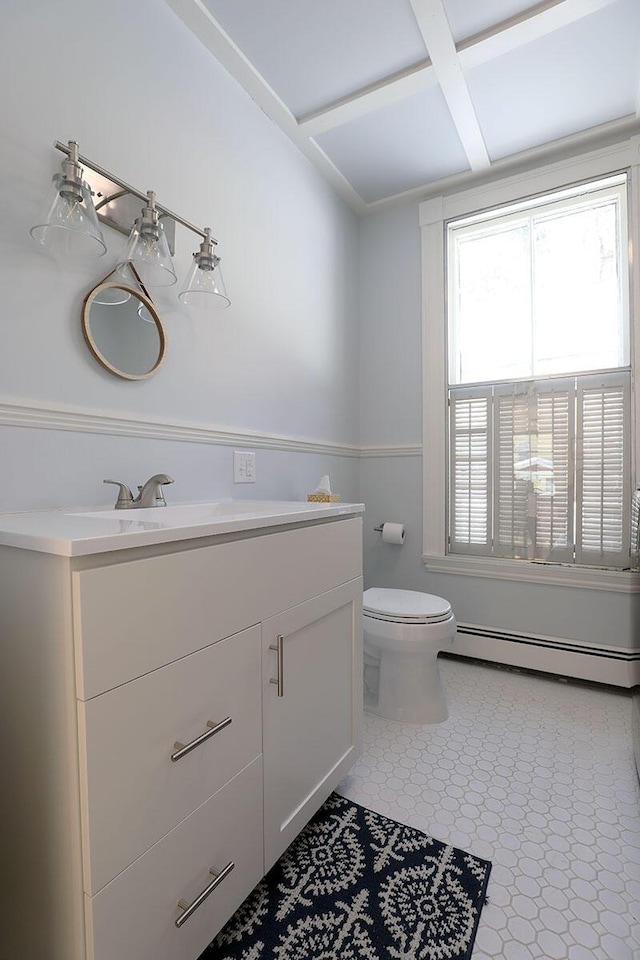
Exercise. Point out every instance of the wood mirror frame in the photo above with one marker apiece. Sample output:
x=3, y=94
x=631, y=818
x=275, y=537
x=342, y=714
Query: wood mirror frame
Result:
x=94, y=347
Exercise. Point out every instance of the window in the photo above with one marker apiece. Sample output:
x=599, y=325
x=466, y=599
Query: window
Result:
x=539, y=379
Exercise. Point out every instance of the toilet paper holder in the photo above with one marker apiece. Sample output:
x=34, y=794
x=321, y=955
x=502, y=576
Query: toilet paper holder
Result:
x=391, y=532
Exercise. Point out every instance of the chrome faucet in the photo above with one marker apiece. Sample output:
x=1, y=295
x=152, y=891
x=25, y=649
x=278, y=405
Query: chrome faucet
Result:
x=149, y=495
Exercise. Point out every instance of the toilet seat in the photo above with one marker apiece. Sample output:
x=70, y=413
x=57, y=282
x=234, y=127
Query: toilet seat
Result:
x=405, y=606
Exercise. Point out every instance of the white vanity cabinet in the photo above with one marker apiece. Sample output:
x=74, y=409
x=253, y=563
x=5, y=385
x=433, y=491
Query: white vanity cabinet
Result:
x=245, y=647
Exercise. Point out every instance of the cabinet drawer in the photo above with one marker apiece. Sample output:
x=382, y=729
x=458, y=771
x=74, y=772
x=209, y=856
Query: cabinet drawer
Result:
x=132, y=617
x=132, y=792
x=133, y=917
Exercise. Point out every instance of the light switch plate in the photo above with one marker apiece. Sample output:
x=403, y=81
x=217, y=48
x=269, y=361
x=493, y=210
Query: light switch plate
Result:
x=244, y=466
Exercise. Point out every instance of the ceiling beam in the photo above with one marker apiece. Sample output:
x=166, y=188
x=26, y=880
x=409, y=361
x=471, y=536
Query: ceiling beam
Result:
x=200, y=21
x=434, y=26
x=444, y=68
x=374, y=97
x=532, y=24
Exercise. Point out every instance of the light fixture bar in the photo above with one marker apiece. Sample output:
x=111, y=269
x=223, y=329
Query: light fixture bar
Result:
x=63, y=148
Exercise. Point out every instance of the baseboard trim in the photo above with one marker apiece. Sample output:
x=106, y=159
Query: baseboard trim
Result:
x=600, y=663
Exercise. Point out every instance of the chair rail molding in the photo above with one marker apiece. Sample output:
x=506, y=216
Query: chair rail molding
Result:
x=408, y=450
x=45, y=416
x=15, y=412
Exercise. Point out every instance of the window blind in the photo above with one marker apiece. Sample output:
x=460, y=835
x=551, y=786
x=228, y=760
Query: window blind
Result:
x=635, y=529
x=470, y=446
x=533, y=488
x=539, y=470
x=603, y=462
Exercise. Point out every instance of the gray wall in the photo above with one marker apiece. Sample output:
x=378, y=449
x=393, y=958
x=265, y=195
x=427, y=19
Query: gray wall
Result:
x=291, y=359
x=391, y=486
x=155, y=107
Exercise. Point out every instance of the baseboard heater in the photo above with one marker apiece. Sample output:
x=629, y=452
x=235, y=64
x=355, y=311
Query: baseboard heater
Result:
x=599, y=663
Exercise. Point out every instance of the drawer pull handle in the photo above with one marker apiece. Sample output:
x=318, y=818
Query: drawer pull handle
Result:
x=182, y=750
x=278, y=648
x=190, y=908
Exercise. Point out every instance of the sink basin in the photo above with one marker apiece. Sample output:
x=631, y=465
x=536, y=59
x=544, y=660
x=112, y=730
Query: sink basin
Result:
x=190, y=514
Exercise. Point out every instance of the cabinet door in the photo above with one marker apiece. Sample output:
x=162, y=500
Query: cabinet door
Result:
x=313, y=719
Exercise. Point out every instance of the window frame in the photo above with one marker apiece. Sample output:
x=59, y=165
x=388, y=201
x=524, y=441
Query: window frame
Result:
x=493, y=221
x=434, y=215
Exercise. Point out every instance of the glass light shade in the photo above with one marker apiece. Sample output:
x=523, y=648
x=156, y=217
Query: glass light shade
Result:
x=70, y=224
x=144, y=314
x=204, y=288
x=149, y=253
x=112, y=296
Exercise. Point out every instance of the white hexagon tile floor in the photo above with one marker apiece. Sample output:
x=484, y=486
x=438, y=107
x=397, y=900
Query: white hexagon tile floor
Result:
x=536, y=775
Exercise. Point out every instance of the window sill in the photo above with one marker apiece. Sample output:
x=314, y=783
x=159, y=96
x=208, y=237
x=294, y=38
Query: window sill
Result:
x=588, y=578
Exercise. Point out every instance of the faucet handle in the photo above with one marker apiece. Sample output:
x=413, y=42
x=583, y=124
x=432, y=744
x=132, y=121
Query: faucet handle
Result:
x=125, y=497
x=151, y=494
x=161, y=480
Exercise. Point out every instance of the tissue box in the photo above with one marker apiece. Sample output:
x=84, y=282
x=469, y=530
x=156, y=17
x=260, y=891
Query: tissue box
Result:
x=323, y=497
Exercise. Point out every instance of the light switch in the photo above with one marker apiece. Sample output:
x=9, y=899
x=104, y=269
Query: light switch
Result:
x=244, y=466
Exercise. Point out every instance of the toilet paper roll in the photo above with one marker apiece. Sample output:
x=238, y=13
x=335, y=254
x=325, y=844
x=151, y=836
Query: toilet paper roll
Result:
x=393, y=533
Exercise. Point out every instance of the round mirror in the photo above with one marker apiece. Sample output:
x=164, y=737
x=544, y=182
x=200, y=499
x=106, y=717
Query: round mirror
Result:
x=123, y=331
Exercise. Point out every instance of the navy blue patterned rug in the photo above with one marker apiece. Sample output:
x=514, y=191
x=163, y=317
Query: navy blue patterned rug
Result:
x=357, y=886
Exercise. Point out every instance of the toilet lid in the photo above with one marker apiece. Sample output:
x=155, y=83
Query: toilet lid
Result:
x=405, y=605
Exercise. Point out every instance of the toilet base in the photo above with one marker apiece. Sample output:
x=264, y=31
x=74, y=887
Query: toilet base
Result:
x=409, y=689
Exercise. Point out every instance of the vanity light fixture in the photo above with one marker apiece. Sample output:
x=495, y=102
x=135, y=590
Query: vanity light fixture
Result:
x=148, y=249
x=204, y=284
x=71, y=226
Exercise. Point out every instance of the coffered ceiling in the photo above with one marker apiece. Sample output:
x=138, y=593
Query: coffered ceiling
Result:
x=392, y=98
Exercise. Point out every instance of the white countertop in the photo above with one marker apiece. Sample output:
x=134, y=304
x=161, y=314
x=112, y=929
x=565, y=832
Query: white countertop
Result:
x=78, y=532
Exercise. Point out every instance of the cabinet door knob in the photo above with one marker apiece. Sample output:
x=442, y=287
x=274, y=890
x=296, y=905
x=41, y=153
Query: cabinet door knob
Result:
x=182, y=750
x=277, y=646
x=190, y=908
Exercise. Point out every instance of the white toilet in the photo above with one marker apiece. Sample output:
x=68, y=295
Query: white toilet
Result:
x=403, y=632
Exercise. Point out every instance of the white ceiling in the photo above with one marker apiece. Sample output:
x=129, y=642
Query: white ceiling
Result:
x=394, y=98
